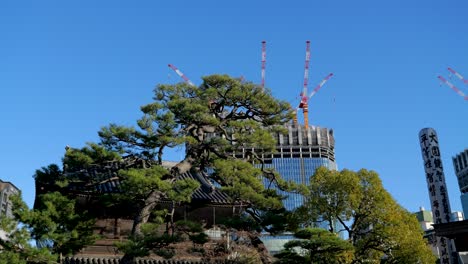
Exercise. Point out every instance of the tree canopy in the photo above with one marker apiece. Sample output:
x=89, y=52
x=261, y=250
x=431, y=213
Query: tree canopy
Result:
x=209, y=120
x=213, y=122
x=376, y=225
x=55, y=224
x=316, y=245
x=15, y=247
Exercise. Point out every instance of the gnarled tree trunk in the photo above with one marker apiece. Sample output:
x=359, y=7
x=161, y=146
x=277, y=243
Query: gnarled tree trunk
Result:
x=142, y=217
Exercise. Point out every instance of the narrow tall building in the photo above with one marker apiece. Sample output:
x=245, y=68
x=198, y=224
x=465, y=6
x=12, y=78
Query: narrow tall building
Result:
x=460, y=164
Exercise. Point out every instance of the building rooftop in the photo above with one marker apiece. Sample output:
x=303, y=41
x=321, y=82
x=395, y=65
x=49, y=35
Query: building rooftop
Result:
x=96, y=180
x=424, y=216
x=6, y=184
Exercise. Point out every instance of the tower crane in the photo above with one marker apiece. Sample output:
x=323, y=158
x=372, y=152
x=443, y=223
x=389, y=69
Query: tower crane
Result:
x=465, y=81
x=449, y=84
x=187, y=80
x=304, y=97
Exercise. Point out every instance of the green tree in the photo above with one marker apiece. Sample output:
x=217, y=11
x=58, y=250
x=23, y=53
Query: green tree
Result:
x=192, y=231
x=147, y=186
x=55, y=224
x=212, y=122
x=150, y=240
x=237, y=113
x=143, y=183
x=15, y=247
x=91, y=155
x=315, y=245
x=376, y=225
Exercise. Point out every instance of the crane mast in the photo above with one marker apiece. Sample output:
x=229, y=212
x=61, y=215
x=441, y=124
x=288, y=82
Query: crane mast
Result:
x=181, y=75
x=263, y=63
x=303, y=103
x=306, y=75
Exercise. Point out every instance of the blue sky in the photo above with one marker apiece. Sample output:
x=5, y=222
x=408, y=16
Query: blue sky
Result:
x=68, y=68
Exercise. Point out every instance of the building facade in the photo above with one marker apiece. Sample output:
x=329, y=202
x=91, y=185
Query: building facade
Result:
x=460, y=164
x=426, y=222
x=298, y=154
x=425, y=219
x=456, y=216
x=6, y=190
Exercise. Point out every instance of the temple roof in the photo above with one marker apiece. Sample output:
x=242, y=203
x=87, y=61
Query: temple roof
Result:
x=97, y=180
x=207, y=192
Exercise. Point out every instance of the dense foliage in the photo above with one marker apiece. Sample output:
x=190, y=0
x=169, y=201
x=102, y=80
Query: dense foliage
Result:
x=212, y=122
x=377, y=227
x=15, y=247
x=56, y=225
x=315, y=245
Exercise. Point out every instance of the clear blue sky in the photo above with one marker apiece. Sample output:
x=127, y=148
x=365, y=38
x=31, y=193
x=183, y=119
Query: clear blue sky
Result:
x=68, y=68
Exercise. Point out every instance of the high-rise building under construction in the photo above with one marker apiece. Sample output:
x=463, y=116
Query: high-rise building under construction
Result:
x=298, y=154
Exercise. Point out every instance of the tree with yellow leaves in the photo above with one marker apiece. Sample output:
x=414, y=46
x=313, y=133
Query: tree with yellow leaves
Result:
x=374, y=223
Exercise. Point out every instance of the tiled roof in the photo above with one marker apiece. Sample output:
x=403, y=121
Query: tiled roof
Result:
x=207, y=191
x=104, y=179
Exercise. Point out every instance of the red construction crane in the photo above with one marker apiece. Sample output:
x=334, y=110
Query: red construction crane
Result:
x=449, y=84
x=305, y=99
x=263, y=63
x=304, y=95
x=465, y=81
x=187, y=80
